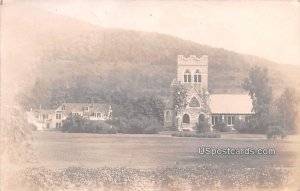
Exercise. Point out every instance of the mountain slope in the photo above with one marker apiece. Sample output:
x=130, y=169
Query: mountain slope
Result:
x=64, y=52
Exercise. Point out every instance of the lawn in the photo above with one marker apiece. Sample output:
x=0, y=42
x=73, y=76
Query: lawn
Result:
x=60, y=150
x=68, y=161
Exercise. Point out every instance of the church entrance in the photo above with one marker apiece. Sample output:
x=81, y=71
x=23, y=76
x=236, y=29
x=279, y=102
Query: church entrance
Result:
x=201, y=124
x=201, y=118
x=186, y=118
x=186, y=122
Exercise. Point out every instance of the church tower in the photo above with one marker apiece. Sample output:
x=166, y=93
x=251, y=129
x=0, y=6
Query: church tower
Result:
x=193, y=71
x=192, y=75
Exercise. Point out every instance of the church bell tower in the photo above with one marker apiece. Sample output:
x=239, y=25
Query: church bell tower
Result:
x=193, y=71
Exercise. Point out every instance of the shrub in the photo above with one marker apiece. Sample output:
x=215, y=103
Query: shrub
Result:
x=139, y=124
x=32, y=127
x=274, y=131
x=77, y=124
x=152, y=129
x=246, y=127
x=203, y=126
x=108, y=130
x=240, y=126
x=173, y=128
x=222, y=127
x=195, y=134
x=225, y=177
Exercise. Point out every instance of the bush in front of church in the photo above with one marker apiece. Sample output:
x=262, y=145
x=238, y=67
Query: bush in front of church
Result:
x=240, y=126
x=222, y=127
x=202, y=127
x=244, y=127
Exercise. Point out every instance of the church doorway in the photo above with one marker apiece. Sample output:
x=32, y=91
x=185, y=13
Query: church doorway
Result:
x=201, y=118
x=186, y=118
x=201, y=123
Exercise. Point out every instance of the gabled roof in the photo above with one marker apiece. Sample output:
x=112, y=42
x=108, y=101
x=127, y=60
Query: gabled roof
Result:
x=78, y=107
x=43, y=111
x=230, y=104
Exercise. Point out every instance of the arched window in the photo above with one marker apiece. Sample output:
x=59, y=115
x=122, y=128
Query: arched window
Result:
x=187, y=76
x=186, y=118
x=197, y=76
x=168, y=116
x=194, y=102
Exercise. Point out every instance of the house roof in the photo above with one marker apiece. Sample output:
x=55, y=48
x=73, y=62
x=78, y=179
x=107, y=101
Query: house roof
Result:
x=43, y=111
x=230, y=104
x=78, y=107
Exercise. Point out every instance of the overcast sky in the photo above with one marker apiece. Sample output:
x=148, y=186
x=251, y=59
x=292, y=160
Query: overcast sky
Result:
x=267, y=29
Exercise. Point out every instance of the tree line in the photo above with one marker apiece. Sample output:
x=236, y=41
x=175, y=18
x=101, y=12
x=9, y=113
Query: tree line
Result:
x=274, y=116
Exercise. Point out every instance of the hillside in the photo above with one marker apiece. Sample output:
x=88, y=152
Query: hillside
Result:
x=78, y=60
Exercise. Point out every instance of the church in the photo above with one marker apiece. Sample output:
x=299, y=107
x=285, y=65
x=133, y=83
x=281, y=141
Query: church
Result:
x=199, y=104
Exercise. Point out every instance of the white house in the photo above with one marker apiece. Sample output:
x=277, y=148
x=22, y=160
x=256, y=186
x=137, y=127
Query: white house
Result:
x=50, y=119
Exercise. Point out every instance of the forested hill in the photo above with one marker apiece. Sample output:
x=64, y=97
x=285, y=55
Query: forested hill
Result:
x=77, y=60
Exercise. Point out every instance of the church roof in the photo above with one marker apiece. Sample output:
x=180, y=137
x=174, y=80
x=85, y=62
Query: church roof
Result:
x=230, y=104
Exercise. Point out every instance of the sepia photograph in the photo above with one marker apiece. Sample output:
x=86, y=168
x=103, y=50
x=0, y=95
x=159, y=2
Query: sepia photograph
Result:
x=149, y=95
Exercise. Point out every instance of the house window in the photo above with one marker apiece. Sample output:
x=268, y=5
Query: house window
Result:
x=58, y=125
x=186, y=118
x=214, y=120
x=168, y=116
x=247, y=119
x=98, y=115
x=197, y=77
x=63, y=107
x=187, y=76
x=230, y=120
x=58, y=116
x=85, y=108
x=45, y=116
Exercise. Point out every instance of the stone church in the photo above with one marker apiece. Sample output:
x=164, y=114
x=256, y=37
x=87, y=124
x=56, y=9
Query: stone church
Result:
x=200, y=105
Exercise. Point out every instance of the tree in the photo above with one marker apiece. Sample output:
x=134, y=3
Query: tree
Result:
x=286, y=106
x=274, y=131
x=179, y=97
x=151, y=107
x=261, y=94
x=203, y=127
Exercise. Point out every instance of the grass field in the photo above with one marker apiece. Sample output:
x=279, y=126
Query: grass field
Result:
x=153, y=162
x=60, y=150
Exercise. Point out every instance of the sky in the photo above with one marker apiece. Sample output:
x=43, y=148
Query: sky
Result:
x=269, y=29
